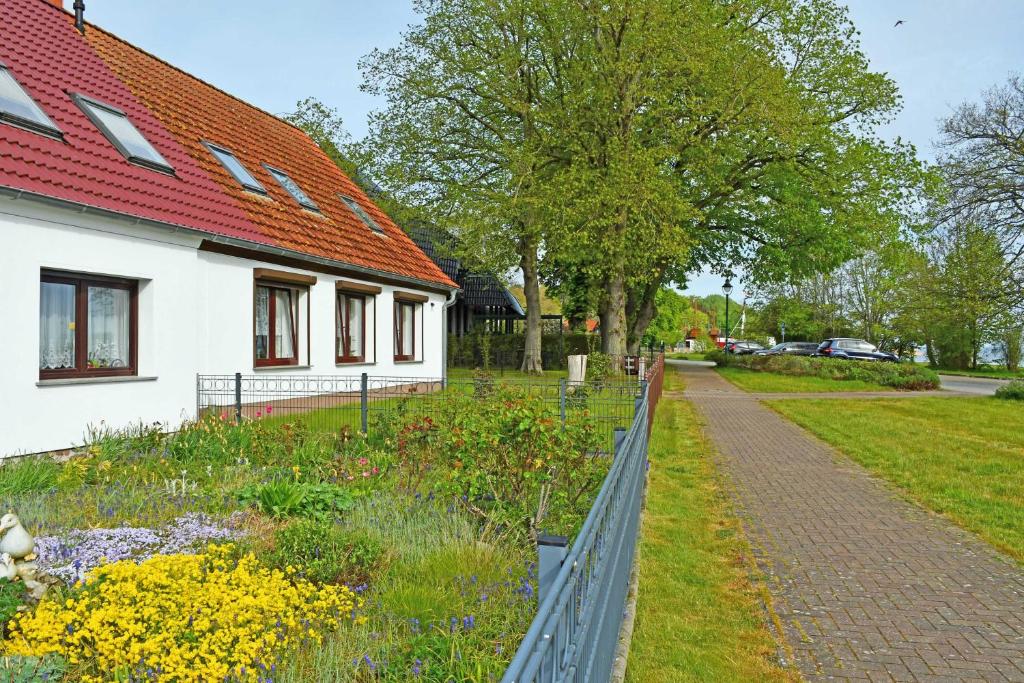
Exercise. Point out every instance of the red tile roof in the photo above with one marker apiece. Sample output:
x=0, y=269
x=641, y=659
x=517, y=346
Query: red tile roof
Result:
x=195, y=111
x=177, y=112
x=43, y=51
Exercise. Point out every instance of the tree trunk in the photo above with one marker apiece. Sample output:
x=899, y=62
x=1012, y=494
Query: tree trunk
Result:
x=532, y=361
x=613, y=337
x=642, y=312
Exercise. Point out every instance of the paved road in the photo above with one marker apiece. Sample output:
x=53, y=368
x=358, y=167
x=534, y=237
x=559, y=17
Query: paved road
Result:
x=973, y=386
x=866, y=586
x=979, y=386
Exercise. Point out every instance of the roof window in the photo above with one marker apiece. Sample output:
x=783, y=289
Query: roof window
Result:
x=122, y=133
x=235, y=168
x=361, y=213
x=18, y=108
x=293, y=188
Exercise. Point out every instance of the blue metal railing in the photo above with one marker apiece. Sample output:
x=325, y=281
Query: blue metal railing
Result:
x=574, y=636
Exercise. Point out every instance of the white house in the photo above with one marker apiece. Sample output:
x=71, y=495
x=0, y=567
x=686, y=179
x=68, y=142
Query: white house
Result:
x=153, y=228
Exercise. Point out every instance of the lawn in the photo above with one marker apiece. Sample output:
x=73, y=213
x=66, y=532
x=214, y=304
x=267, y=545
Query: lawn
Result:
x=327, y=556
x=772, y=382
x=961, y=457
x=684, y=356
x=698, y=616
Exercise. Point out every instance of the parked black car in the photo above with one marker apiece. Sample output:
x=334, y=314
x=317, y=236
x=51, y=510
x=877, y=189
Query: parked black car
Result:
x=789, y=349
x=741, y=347
x=853, y=349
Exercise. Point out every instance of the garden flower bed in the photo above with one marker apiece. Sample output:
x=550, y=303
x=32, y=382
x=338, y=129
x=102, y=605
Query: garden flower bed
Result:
x=270, y=551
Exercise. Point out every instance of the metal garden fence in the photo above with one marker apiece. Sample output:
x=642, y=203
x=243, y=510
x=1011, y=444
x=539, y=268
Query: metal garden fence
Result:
x=582, y=590
x=332, y=403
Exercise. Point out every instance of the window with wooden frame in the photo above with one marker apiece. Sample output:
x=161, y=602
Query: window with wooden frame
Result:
x=88, y=326
x=277, y=319
x=405, y=330
x=350, y=327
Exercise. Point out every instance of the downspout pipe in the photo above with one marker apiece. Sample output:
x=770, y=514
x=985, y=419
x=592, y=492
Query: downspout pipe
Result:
x=449, y=302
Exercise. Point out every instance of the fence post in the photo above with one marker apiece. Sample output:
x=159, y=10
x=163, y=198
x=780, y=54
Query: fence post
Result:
x=238, y=398
x=551, y=552
x=363, y=401
x=639, y=401
x=561, y=399
x=618, y=437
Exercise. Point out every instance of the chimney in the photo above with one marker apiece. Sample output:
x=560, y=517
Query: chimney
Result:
x=79, y=8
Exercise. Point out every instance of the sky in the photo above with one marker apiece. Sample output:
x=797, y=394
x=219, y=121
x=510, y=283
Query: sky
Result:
x=273, y=53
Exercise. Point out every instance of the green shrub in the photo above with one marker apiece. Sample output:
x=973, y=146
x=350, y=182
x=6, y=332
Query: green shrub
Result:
x=599, y=366
x=905, y=376
x=506, y=457
x=284, y=498
x=719, y=357
x=1013, y=391
x=324, y=553
x=12, y=596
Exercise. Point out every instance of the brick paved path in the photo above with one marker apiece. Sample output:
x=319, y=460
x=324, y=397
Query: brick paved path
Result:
x=865, y=585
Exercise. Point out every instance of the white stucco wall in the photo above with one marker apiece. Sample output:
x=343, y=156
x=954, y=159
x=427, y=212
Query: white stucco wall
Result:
x=195, y=316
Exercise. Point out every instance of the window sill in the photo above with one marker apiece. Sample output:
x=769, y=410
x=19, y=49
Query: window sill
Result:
x=408, y=362
x=93, y=380
x=355, y=363
x=279, y=368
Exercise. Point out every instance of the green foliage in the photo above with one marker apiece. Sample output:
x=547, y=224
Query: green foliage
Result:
x=31, y=474
x=32, y=669
x=670, y=323
x=285, y=498
x=1012, y=391
x=906, y=376
x=506, y=456
x=599, y=367
x=325, y=553
x=12, y=596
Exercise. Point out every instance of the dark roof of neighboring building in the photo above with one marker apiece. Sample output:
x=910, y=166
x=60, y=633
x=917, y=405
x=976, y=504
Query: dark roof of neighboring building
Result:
x=177, y=112
x=478, y=289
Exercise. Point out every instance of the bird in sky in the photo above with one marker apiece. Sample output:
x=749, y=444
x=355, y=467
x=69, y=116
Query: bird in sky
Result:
x=897, y=23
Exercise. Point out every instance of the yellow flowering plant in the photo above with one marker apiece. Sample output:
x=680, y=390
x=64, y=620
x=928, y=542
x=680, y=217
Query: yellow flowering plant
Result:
x=201, y=617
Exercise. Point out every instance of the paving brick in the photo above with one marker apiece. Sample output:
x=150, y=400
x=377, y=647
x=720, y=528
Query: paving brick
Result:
x=886, y=590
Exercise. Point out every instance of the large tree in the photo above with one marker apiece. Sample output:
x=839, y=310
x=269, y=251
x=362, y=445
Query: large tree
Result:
x=463, y=133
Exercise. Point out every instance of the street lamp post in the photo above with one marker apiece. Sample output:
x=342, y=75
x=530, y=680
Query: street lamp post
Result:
x=727, y=288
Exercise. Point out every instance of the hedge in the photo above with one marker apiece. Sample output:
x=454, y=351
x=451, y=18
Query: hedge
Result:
x=1012, y=391
x=906, y=376
x=477, y=350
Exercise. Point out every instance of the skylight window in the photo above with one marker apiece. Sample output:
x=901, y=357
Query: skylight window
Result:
x=293, y=188
x=122, y=133
x=18, y=108
x=363, y=216
x=235, y=168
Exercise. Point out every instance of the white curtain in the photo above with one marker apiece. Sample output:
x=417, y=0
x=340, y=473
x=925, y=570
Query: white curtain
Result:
x=284, y=327
x=355, y=326
x=109, y=321
x=56, y=326
x=339, y=325
x=408, y=329
x=262, y=322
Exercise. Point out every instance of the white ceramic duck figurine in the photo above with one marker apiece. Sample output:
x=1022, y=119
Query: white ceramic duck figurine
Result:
x=7, y=569
x=16, y=542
